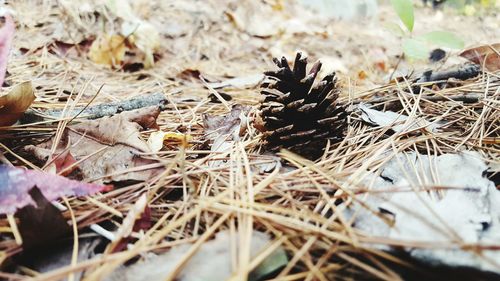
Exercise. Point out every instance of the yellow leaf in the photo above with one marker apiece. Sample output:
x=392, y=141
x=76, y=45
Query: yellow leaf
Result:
x=108, y=50
x=156, y=139
x=15, y=103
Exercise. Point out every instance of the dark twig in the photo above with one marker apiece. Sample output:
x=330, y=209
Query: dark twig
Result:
x=462, y=73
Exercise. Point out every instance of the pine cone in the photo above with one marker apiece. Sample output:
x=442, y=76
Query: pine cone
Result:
x=297, y=116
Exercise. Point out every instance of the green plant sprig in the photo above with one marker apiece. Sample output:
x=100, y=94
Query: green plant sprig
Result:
x=417, y=47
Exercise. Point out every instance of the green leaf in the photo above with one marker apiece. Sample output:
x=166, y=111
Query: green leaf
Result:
x=404, y=9
x=278, y=259
x=415, y=49
x=394, y=28
x=443, y=39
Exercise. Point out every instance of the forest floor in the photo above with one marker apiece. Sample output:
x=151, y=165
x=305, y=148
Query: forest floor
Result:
x=208, y=170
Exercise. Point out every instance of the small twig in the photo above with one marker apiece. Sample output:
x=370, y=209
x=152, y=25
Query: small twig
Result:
x=97, y=111
x=396, y=67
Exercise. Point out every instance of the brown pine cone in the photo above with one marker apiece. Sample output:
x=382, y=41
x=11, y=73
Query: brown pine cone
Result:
x=297, y=116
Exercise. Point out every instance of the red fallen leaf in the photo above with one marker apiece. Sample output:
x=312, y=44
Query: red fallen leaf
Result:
x=487, y=56
x=40, y=224
x=6, y=35
x=15, y=183
x=65, y=163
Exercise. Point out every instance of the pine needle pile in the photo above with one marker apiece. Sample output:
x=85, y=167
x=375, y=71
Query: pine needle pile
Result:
x=220, y=180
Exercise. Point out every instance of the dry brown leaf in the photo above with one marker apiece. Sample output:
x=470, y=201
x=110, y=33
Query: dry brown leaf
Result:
x=223, y=131
x=230, y=126
x=486, y=55
x=106, y=147
x=15, y=103
x=123, y=128
x=108, y=50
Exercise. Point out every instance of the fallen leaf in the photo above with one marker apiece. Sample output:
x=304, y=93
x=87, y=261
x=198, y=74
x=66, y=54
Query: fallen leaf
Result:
x=243, y=82
x=40, y=224
x=144, y=36
x=211, y=262
x=487, y=56
x=17, y=182
x=157, y=139
x=231, y=125
x=15, y=103
x=108, y=50
x=134, y=221
x=123, y=128
x=64, y=163
x=108, y=147
x=138, y=32
x=70, y=49
x=256, y=20
x=393, y=120
x=6, y=35
x=466, y=201
x=223, y=131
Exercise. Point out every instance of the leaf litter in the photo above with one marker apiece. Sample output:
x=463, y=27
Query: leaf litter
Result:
x=103, y=149
x=224, y=183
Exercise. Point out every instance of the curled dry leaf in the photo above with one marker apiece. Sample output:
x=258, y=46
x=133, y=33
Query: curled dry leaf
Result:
x=106, y=148
x=486, y=55
x=17, y=182
x=15, y=103
x=108, y=50
x=157, y=139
